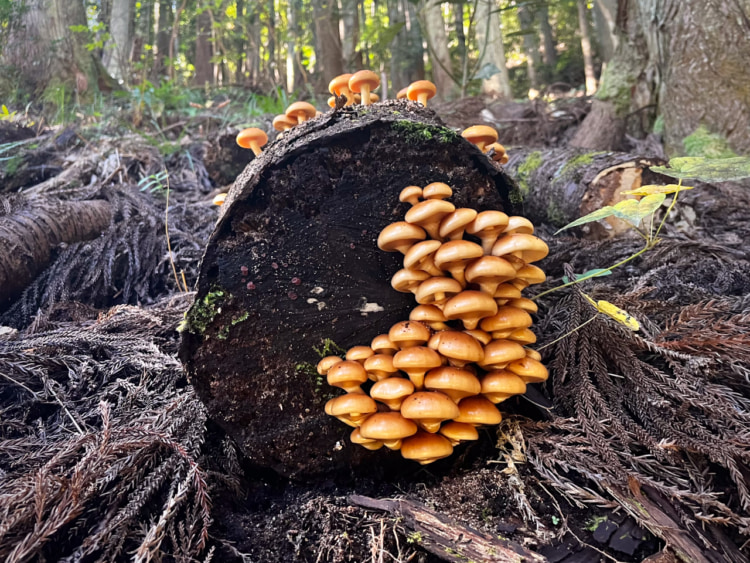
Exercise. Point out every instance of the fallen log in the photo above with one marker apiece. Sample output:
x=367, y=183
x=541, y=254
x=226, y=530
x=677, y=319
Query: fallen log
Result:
x=557, y=186
x=293, y=262
x=447, y=539
x=31, y=228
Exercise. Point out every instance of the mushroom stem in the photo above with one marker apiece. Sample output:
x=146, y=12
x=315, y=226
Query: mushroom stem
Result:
x=422, y=98
x=255, y=147
x=365, y=92
x=349, y=96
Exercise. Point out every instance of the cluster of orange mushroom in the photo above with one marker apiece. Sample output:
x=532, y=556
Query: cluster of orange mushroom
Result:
x=485, y=137
x=433, y=379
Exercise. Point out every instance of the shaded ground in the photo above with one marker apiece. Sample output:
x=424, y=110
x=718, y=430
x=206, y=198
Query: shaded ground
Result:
x=98, y=418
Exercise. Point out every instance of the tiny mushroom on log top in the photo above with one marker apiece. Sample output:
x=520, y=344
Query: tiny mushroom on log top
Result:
x=480, y=135
x=339, y=86
x=252, y=138
x=283, y=123
x=421, y=91
x=363, y=82
x=498, y=154
x=401, y=95
x=301, y=111
x=219, y=199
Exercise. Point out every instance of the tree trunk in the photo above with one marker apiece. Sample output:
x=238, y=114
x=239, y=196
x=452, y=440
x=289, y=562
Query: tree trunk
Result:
x=605, y=16
x=438, y=45
x=496, y=81
x=350, y=21
x=163, y=34
x=549, y=55
x=294, y=66
x=414, y=68
x=685, y=61
x=558, y=186
x=204, y=69
x=293, y=261
x=252, y=58
x=117, y=52
x=327, y=43
x=47, y=47
x=530, y=44
x=33, y=228
x=458, y=25
x=588, y=58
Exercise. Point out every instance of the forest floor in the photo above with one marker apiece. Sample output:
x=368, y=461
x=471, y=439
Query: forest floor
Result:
x=106, y=452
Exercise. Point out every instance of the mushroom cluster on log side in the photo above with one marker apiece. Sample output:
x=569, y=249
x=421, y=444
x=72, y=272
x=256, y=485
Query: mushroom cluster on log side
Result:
x=439, y=375
x=293, y=262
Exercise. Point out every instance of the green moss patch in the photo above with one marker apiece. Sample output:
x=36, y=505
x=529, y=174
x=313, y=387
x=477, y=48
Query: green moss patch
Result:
x=706, y=144
x=415, y=132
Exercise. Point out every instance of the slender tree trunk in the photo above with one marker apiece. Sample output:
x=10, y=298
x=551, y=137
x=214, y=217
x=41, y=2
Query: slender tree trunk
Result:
x=415, y=49
x=204, y=72
x=605, y=15
x=162, y=40
x=144, y=35
x=117, y=52
x=273, y=70
x=327, y=43
x=588, y=61
x=685, y=61
x=549, y=53
x=458, y=25
x=491, y=50
x=44, y=51
x=350, y=21
x=439, y=54
x=252, y=60
x=530, y=44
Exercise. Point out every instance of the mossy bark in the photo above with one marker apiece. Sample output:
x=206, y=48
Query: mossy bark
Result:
x=294, y=256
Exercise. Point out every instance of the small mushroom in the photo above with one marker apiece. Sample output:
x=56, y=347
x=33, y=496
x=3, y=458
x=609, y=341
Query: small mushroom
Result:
x=436, y=291
x=252, y=138
x=530, y=275
x=400, y=236
x=455, y=256
x=523, y=303
x=364, y=81
x=499, y=353
x=426, y=448
x=301, y=111
x=327, y=363
x=374, y=98
x=529, y=369
x=518, y=224
x=332, y=102
x=416, y=362
x=533, y=354
x=452, y=227
x=420, y=257
x=523, y=336
x=401, y=95
x=410, y=194
x=458, y=432
x=483, y=337
x=357, y=438
x=437, y=190
x=408, y=334
x=501, y=384
x=359, y=354
x=379, y=367
x=455, y=382
x=457, y=347
x=489, y=272
x=381, y=344
x=347, y=375
x=478, y=411
x=506, y=291
x=430, y=316
x=488, y=225
x=389, y=427
x=352, y=408
x=283, y=123
x=498, y=154
x=219, y=199
x=339, y=86
x=480, y=135
x=428, y=214
x=392, y=391
x=428, y=409
x=407, y=280
x=470, y=307
x=521, y=245
x=421, y=91
x=507, y=318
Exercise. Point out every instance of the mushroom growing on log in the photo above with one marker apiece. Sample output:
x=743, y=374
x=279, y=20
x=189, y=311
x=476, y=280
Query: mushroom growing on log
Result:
x=294, y=261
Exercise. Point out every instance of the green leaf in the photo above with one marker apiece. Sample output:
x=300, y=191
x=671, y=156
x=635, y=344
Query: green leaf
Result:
x=707, y=169
x=652, y=189
x=597, y=215
x=633, y=211
x=595, y=273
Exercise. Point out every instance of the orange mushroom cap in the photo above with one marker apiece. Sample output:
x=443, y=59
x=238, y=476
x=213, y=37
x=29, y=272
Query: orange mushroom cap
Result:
x=301, y=111
x=252, y=138
x=480, y=135
x=364, y=81
x=421, y=91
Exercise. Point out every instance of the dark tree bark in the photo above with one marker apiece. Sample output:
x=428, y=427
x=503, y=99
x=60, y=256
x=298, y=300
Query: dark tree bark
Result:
x=530, y=44
x=327, y=43
x=685, y=61
x=43, y=48
x=293, y=261
x=549, y=55
x=31, y=230
x=204, y=69
x=163, y=35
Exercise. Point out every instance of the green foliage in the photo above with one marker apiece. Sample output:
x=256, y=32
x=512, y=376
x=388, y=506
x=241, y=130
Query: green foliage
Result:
x=203, y=312
x=155, y=183
x=707, y=169
x=5, y=114
x=703, y=143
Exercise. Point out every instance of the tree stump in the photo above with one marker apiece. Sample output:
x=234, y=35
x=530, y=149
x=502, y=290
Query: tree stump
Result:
x=293, y=262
